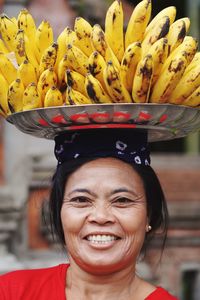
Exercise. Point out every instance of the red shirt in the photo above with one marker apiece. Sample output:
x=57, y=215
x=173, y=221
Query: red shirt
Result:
x=47, y=284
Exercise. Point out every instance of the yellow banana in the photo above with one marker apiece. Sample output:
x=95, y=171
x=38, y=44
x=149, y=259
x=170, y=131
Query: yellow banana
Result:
x=186, y=86
x=138, y=22
x=159, y=52
x=24, y=49
x=129, y=63
x=96, y=65
x=194, y=99
x=188, y=48
x=31, y=98
x=168, y=11
x=67, y=36
x=194, y=63
x=76, y=81
x=53, y=97
x=26, y=22
x=8, y=31
x=62, y=68
x=114, y=85
x=15, y=96
x=169, y=79
x=7, y=68
x=43, y=37
x=114, y=24
x=74, y=97
x=142, y=80
x=62, y=46
x=95, y=90
x=83, y=30
x=48, y=58
x=71, y=37
x=26, y=73
x=77, y=59
x=100, y=45
x=14, y=20
x=159, y=31
x=187, y=23
x=47, y=79
x=177, y=33
x=3, y=96
x=3, y=47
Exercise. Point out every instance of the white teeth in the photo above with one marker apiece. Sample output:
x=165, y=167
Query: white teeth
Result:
x=101, y=238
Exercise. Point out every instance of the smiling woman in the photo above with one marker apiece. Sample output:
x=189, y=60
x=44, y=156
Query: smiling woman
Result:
x=106, y=203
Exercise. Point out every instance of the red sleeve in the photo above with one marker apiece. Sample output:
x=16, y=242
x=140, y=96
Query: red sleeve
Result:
x=40, y=284
x=159, y=294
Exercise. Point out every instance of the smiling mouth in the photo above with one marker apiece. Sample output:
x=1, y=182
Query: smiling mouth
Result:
x=101, y=239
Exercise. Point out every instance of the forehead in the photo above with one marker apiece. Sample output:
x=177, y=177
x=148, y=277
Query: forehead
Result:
x=105, y=173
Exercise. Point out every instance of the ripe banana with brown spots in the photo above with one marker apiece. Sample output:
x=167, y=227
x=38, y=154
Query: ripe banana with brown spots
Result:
x=169, y=11
x=31, y=98
x=76, y=81
x=15, y=96
x=4, y=107
x=186, y=86
x=169, y=79
x=53, y=97
x=142, y=80
x=48, y=58
x=114, y=24
x=129, y=63
x=115, y=88
x=47, y=79
x=74, y=97
x=96, y=66
x=95, y=90
x=138, y=22
x=83, y=31
x=159, y=31
x=100, y=44
x=159, y=52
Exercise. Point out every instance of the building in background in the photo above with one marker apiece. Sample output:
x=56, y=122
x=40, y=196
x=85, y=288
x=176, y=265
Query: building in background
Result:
x=27, y=164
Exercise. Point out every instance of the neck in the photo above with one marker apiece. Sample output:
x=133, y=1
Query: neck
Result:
x=83, y=285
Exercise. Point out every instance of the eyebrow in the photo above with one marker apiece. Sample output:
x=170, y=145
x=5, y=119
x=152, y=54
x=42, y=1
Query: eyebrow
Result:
x=119, y=190
x=82, y=191
x=122, y=190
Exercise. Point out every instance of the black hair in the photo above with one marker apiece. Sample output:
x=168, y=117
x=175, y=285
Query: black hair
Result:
x=156, y=204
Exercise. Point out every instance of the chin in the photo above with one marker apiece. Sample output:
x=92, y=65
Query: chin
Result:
x=103, y=265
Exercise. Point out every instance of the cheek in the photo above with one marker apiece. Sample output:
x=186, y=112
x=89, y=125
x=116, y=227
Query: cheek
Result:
x=134, y=221
x=72, y=221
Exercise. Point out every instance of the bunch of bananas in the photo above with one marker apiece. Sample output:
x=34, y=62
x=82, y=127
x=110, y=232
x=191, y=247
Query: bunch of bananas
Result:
x=152, y=61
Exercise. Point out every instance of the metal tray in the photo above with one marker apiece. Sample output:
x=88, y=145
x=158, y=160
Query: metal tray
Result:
x=163, y=121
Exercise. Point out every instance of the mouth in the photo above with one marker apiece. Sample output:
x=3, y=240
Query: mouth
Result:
x=101, y=238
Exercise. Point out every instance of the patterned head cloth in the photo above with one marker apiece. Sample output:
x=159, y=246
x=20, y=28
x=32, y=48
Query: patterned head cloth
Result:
x=125, y=144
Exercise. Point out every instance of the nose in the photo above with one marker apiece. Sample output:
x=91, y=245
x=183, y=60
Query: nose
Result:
x=101, y=214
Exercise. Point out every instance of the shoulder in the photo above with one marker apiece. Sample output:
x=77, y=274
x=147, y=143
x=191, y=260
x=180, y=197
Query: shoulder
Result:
x=29, y=274
x=28, y=281
x=160, y=293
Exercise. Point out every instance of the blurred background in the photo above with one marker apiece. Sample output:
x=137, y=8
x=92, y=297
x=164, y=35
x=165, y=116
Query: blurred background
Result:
x=27, y=164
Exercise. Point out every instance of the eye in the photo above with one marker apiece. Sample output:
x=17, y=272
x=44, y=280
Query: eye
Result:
x=80, y=201
x=123, y=201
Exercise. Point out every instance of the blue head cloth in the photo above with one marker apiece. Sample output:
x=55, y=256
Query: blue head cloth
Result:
x=126, y=144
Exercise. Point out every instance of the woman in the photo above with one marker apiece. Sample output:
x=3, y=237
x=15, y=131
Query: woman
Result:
x=106, y=203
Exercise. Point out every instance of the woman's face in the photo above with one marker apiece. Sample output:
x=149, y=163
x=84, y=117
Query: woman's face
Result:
x=104, y=215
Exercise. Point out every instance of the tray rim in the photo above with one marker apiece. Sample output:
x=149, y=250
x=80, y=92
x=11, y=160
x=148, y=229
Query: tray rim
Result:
x=41, y=109
x=51, y=130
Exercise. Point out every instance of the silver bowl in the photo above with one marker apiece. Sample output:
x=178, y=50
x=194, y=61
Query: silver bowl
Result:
x=163, y=121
